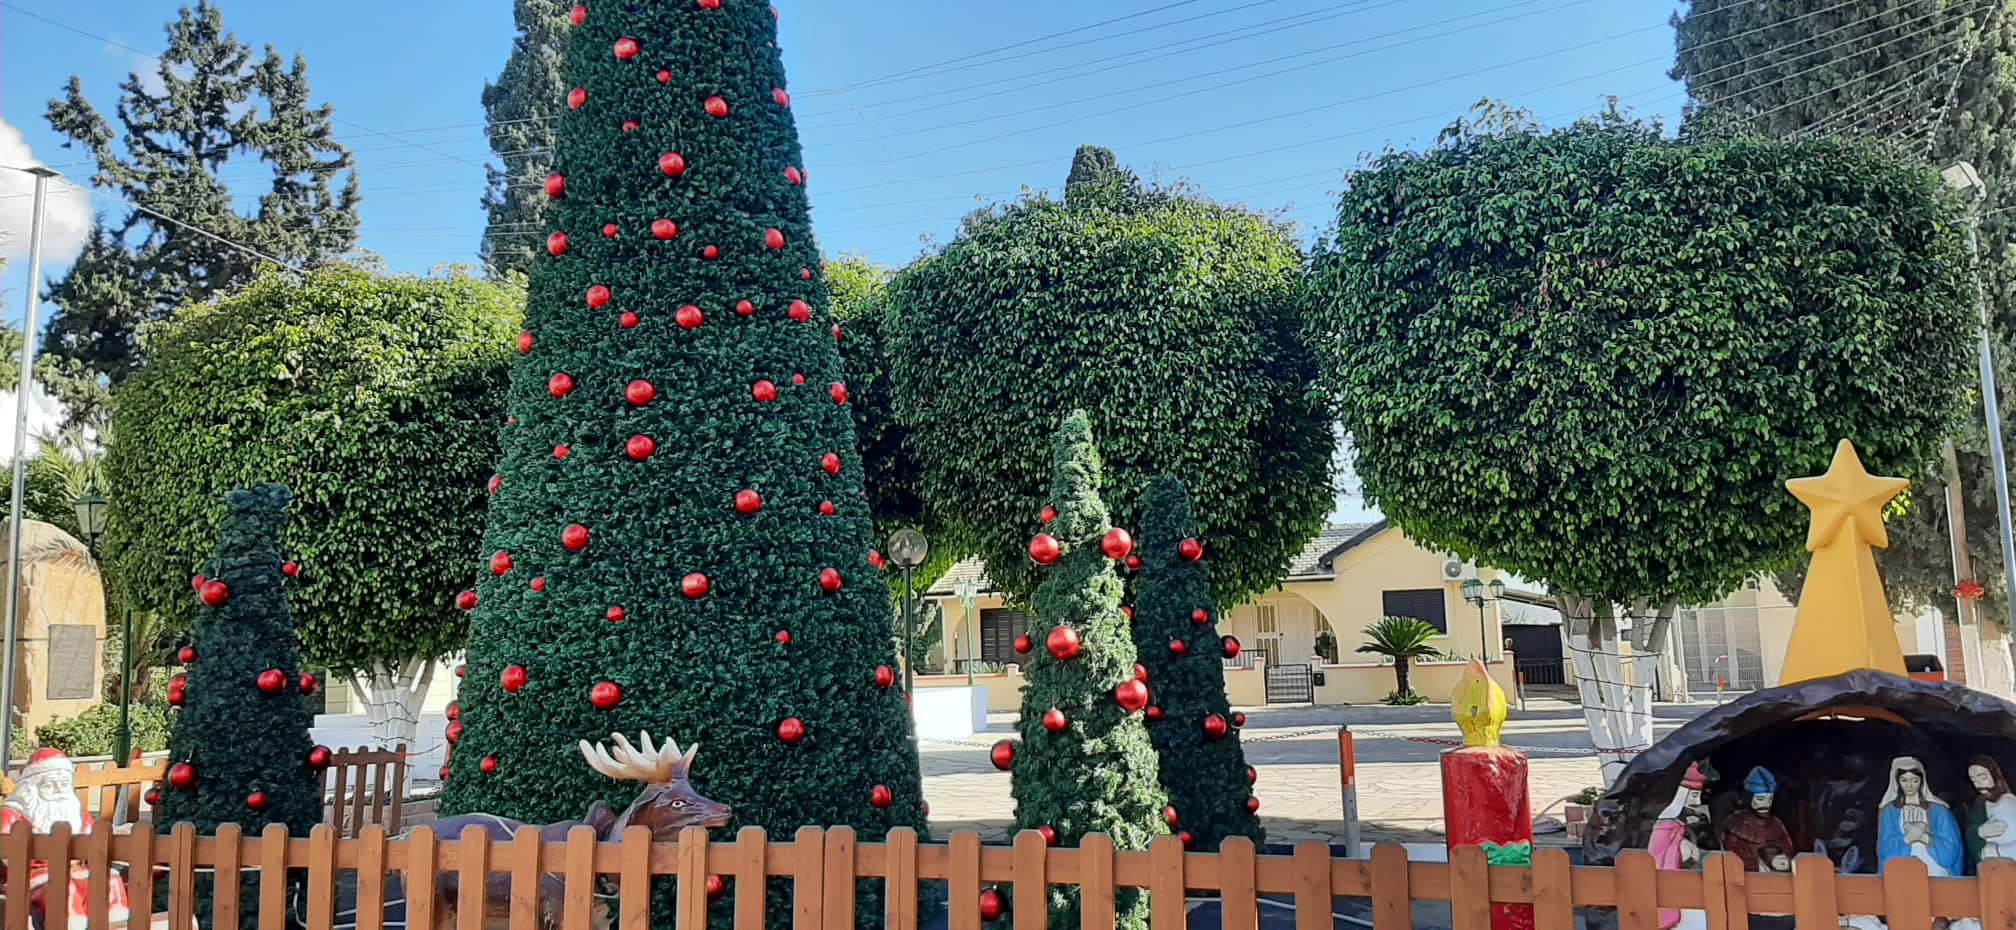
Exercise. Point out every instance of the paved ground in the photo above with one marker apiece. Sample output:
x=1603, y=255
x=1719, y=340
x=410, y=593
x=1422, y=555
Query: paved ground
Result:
x=1295, y=750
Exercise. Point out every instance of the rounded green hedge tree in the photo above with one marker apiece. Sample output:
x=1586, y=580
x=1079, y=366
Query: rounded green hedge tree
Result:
x=1169, y=319
x=1592, y=356
x=376, y=400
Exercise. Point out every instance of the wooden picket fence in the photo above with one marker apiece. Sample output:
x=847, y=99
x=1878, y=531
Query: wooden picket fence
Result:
x=823, y=866
x=361, y=787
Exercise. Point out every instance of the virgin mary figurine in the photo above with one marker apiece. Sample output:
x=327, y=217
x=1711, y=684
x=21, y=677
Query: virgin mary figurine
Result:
x=1916, y=824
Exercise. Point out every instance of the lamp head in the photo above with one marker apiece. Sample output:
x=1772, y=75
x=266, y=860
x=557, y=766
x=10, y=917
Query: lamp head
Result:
x=909, y=548
x=1473, y=591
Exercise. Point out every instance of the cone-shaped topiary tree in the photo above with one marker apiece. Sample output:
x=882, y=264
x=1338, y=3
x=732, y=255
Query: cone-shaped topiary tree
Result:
x=240, y=751
x=1209, y=784
x=678, y=543
x=1085, y=764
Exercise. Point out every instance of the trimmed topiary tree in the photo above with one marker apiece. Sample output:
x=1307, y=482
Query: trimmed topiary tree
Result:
x=240, y=751
x=1592, y=356
x=376, y=399
x=679, y=542
x=1210, y=785
x=1085, y=763
x=1171, y=320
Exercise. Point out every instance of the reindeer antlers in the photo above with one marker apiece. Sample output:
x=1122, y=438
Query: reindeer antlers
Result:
x=654, y=765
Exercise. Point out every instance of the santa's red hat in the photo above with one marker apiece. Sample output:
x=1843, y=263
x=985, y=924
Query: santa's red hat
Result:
x=45, y=761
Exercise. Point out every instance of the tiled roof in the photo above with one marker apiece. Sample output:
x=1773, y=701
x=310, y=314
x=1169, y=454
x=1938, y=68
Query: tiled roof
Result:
x=1312, y=562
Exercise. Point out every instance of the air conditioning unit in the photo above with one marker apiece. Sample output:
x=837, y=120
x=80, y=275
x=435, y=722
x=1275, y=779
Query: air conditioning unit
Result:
x=1457, y=570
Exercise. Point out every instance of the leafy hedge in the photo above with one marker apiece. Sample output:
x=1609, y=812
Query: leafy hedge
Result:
x=1169, y=319
x=92, y=733
x=376, y=399
x=1592, y=356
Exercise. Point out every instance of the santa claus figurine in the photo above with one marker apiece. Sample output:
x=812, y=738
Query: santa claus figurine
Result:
x=44, y=797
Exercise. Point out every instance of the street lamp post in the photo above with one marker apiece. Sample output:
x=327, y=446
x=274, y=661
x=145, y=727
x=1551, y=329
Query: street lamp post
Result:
x=968, y=593
x=9, y=649
x=909, y=548
x=1962, y=177
x=92, y=511
x=1474, y=593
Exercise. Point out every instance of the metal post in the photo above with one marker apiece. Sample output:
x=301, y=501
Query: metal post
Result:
x=909, y=631
x=1347, y=773
x=123, y=742
x=14, y=519
x=1991, y=407
x=1483, y=634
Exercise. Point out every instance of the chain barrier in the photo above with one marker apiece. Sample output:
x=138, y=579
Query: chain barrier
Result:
x=1360, y=734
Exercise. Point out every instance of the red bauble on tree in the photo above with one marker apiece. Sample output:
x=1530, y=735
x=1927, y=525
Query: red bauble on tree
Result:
x=500, y=562
x=791, y=730
x=608, y=230
x=694, y=585
x=605, y=695
x=1062, y=643
x=716, y=887
x=1003, y=754
x=826, y=508
x=1048, y=833
x=574, y=537
x=1214, y=726
x=830, y=462
x=1176, y=647
x=1169, y=815
x=799, y=311
x=1190, y=550
x=1048, y=514
x=1131, y=695
x=176, y=696
x=1045, y=549
x=1200, y=616
x=1053, y=720
x=881, y=796
x=214, y=593
x=524, y=342
x=664, y=229
x=556, y=244
x=1184, y=837
x=185, y=655
x=182, y=776
x=488, y=764
x=829, y=580
x=640, y=447
x=763, y=391
x=1116, y=543
x=556, y=186
x=793, y=176
x=272, y=681
x=1238, y=718
x=783, y=637
x=689, y=317
x=748, y=502
x=745, y=308
x=1127, y=612
x=466, y=600
x=626, y=48
x=773, y=239
x=1252, y=775
x=1231, y=646
x=512, y=678
x=576, y=97
x=1154, y=713
x=1252, y=805
x=309, y=683
x=781, y=98
x=990, y=905
x=640, y=391
x=290, y=569
x=1133, y=562
x=578, y=14
x=1140, y=672
x=256, y=800
x=884, y=676
x=614, y=614
x=672, y=164
x=597, y=296
x=628, y=320
x=838, y=391
x=716, y=107
x=1023, y=644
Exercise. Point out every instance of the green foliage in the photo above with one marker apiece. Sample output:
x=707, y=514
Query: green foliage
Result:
x=1205, y=778
x=95, y=732
x=1401, y=639
x=520, y=110
x=1403, y=698
x=238, y=739
x=210, y=105
x=1098, y=774
x=1169, y=319
x=1326, y=645
x=1591, y=356
x=375, y=398
x=1805, y=67
x=706, y=669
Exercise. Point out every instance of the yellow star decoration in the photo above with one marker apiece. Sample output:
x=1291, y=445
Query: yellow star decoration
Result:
x=1846, y=497
x=1844, y=621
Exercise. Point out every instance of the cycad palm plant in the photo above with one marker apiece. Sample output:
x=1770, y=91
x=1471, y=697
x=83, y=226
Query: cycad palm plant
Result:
x=1402, y=639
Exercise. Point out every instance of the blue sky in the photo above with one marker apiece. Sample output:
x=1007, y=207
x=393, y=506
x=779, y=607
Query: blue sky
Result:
x=1263, y=101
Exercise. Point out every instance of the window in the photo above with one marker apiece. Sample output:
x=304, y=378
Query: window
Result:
x=1267, y=633
x=998, y=629
x=1424, y=604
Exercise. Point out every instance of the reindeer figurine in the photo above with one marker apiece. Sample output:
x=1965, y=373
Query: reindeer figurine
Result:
x=667, y=806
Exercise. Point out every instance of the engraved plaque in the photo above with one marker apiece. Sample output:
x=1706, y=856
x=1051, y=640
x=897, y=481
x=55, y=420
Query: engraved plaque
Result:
x=73, y=662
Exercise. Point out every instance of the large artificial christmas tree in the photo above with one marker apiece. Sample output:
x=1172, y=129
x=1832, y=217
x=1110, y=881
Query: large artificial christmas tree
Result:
x=240, y=751
x=1084, y=763
x=1196, y=733
x=678, y=541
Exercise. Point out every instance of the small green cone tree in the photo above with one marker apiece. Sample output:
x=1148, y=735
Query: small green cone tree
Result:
x=1208, y=781
x=1085, y=764
x=240, y=751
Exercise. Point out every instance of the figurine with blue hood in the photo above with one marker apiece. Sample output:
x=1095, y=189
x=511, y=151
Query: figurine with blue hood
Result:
x=1751, y=827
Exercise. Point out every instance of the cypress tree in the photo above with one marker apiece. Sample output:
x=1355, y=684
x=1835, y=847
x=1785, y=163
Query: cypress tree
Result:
x=214, y=106
x=240, y=751
x=678, y=542
x=1085, y=763
x=1208, y=780
x=1930, y=76
x=520, y=110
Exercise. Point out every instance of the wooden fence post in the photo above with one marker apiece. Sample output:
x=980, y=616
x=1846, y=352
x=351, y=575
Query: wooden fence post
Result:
x=899, y=891
x=1095, y=884
x=1032, y=886
x=1166, y=892
x=1238, y=904
x=752, y=886
x=963, y=881
x=526, y=877
x=371, y=880
x=225, y=878
x=692, y=879
x=808, y=889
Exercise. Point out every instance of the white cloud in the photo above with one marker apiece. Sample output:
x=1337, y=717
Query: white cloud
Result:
x=66, y=219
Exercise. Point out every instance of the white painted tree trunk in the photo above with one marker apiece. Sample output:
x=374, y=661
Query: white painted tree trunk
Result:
x=1616, y=690
x=392, y=701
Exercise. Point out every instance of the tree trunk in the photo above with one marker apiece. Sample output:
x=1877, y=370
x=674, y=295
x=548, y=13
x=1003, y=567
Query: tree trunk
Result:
x=1400, y=669
x=392, y=701
x=1616, y=692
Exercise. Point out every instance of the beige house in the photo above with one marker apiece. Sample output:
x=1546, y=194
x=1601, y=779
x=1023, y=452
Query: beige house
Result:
x=1344, y=580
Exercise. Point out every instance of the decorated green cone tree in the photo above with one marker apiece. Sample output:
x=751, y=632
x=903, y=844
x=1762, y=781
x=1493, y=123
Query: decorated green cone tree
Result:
x=1084, y=763
x=677, y=540
x=240, y=751
x=1196, y=733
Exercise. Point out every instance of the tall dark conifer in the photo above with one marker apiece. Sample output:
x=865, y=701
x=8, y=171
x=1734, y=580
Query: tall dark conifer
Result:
x=520, y=110
x=208, y=104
